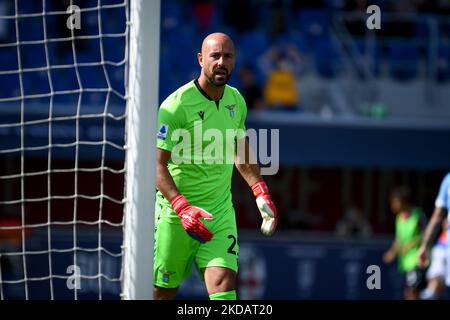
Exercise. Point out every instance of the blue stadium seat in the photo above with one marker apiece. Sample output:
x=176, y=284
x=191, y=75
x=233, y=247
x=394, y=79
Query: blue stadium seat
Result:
x=64, y=79
x=180, y=50
x=94, y=3
x=26, y=6
x=92, y=77
x=54, y=58
x=282, y=39
x=334, y=4
x=298, y=39
x=374, y=53
x=422, y=26
x=165, y=81
x=31, y=28
x=171, y=13
x=90, y=100
x=67, y=101
x=327, y=58
x=67, y=58
x=253, y=43
x=443, y=63
x=116, y=78
x=9, y=34
x=35, y=83
x=51, y=23
x=114, y=49
x=313, y=23
x=113, y=20
x=403, y=59
x=88, y=56
x=89, y=23
x=8, y=59
x=9, y=86
x=33, y=56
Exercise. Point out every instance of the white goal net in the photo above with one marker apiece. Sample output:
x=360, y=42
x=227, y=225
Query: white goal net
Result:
x=64, y=103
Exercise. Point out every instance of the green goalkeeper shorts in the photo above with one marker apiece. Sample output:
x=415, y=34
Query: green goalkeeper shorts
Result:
x=175, y=250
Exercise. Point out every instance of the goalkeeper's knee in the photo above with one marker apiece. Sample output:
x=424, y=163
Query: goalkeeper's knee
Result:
x=228, y=295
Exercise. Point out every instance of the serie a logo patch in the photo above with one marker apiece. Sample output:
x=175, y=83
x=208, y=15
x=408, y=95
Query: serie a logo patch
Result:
x=162, y=132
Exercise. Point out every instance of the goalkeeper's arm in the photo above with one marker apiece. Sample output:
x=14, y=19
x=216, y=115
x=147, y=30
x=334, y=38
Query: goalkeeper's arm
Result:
x=164, y=181
x=246, y=164
x=189, y=215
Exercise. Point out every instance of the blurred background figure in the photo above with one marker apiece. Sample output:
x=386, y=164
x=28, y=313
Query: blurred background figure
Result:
x=353, y=223
x=410, y=224
x=203, y=11
x=436, y=272
x=282, y=66
x=250, y=89
x=439, y=219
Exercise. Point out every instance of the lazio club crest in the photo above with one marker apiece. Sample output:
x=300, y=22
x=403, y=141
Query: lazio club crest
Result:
x=230, y=108
x=166, y=275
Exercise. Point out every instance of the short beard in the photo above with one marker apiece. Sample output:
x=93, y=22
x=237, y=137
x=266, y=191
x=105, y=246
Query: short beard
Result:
x=211, y=80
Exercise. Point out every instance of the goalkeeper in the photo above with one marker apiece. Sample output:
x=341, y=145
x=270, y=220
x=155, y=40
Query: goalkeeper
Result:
x=194, y=218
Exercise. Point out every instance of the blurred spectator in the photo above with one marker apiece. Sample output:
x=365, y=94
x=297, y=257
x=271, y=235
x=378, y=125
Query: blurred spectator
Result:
x=250, y=89
x=282, y=65
x=203, y=11
x=410, y=224
x=353, y=223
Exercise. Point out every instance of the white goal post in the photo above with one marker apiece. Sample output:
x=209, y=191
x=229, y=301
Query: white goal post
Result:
x=78, y=116
x=141, y=146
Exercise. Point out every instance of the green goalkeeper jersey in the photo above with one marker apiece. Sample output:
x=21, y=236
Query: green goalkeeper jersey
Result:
x=408, y=234
x=201, y=135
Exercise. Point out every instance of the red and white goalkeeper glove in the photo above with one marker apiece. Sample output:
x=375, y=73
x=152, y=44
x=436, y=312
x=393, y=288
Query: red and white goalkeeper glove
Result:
x=266, y=208
x=189, y=216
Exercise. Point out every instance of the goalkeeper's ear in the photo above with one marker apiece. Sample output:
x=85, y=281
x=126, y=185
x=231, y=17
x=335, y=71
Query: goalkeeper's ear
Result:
x=200, y=59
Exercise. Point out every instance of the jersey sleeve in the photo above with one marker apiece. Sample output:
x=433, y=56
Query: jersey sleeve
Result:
x=442, y=198
x=170, y=118
x=243, y=111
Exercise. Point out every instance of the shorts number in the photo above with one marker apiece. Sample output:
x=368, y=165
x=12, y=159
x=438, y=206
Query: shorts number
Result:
x=231, y=247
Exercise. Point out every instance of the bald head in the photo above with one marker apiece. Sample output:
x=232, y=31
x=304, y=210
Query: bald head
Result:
x=217, y=58
x=217, y=38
